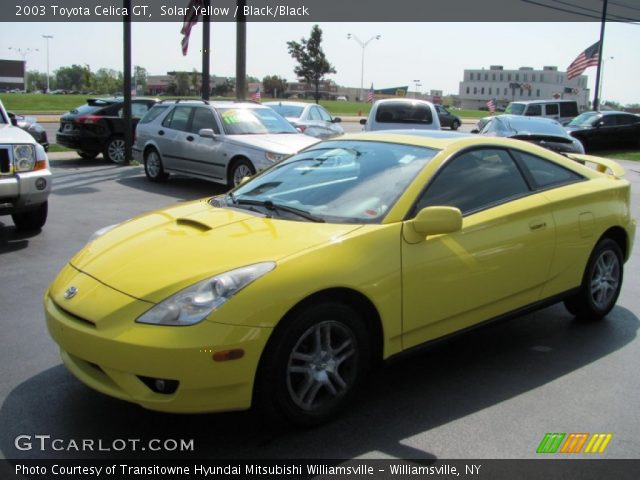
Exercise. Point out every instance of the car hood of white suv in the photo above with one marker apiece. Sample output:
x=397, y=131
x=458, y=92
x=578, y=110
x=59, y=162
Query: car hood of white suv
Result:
x=286, y=143
x=11, y=134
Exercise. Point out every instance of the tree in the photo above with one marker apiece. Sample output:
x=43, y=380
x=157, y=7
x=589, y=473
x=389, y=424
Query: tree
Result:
x=312, y=62
x=195, y=81
x=72, y=78
x=224, y=89
x=107, y=80
x=182, y=83
x=273, y=83
x=140, y=77
x=36, y=81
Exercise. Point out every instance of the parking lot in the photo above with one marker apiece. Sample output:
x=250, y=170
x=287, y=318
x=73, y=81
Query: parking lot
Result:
x=492, y=393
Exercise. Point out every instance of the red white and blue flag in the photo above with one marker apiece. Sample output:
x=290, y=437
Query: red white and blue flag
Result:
x=492, y=105
x=588, y=58
x=190, y=19
x=370, y=94
x=256, y=96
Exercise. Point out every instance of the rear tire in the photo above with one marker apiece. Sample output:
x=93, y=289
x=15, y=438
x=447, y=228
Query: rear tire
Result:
x=601, y=283
x=33, y=220
x=115, y=151
x=314, y=364
x=153, y=168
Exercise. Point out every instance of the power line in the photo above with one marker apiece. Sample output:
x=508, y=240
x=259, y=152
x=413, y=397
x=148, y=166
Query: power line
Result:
x=595, y=15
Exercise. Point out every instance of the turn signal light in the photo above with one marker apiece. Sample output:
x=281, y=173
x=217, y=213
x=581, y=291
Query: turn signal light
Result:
x=227, y=355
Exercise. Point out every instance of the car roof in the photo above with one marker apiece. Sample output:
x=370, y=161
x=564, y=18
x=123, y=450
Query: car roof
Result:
x=213, y=103
x=615, y=112
x=402, y=100
x=550, y=100
x=292, y=104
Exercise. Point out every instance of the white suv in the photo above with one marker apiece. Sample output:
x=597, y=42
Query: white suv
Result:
x=401, y=114
x=25, y=178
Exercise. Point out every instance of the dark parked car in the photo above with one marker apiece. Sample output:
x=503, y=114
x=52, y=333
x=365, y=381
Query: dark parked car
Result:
x=609, y=129
x=448, y=119
x=31, y=126
x=541, y=131
x=98, y=126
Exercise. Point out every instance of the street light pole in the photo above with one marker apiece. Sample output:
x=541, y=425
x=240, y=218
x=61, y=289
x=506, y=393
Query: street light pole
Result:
x=417, y=84
x=47, y=38
x=23, y=53
x=363, y=45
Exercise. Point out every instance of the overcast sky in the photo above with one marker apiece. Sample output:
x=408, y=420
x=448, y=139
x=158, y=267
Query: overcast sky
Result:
x=434, y=53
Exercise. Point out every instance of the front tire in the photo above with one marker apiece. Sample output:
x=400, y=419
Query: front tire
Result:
x=153, y=168
x=455, y=125
x=601, y=283
x=115, y=151
x=33, y=220
x=314, y=365
x=240, y=169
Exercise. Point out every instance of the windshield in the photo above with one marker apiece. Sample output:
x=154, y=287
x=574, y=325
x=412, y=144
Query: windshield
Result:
x=337, y=181
x=515, y=108
x=251, y=121
x=586, y=119
x=288, y=110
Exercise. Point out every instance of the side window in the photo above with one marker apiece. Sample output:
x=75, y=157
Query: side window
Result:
x=608, y=120
x=314, y=114
x=203, y=118
x=568, y=109
x=324, y=115
x=534, y=110
x=545, y=173
x=153, y=113
x=624, y=119
x=474, y=181
x=179, y=118
x=552, y=109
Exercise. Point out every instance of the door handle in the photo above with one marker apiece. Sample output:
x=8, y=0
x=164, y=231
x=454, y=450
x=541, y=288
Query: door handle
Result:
x=190, y=138
x=537, y=225
x=161, y=132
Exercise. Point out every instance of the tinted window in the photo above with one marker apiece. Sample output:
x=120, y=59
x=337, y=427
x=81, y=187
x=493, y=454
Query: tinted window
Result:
x=154, y=113
x=546, y=173
x=475, y=180
x=586, y=119
x=568, y=109
x=534, y=110
x=608, y=120
x=552, y=108
x=179, y=118
x=401, y=112
x=626, y=119
x=88, y=110
x=203, y=118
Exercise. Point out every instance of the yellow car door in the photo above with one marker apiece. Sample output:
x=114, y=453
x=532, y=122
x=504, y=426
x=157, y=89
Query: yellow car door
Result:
x=497, y=262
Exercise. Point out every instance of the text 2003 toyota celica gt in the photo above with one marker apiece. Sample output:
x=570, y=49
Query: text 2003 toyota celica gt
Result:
x=284, y=292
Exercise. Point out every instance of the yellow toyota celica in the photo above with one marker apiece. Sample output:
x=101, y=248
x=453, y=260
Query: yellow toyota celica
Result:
x=284, y=292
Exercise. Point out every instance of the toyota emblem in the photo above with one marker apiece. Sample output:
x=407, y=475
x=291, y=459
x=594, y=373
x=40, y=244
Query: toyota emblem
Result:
x=70, y=293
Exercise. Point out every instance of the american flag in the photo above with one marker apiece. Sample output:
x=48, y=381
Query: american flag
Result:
x=370, y=94
x=588, y=58
x=190, y=19
x=492, y=105
x=255, y=96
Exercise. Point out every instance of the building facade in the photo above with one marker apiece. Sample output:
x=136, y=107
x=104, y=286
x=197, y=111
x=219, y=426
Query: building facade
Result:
x=525, y=83
x=12, y=75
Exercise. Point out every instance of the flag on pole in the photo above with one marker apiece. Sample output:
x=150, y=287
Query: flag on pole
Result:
x=492, y=105
x=588, y=58
x=190, y=19
x=370, y=94
x=256, y=96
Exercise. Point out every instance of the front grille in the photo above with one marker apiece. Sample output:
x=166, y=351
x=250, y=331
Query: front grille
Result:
x=5, y=161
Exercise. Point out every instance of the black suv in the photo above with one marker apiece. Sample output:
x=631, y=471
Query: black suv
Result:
x=98, y=126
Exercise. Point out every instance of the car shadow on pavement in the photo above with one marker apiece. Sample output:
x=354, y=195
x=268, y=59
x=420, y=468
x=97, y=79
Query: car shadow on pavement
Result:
x=405, y=397
x=179, y=187
x=12, y=240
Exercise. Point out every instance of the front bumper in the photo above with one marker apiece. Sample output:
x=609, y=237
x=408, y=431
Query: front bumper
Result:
x=21, y=192
x=104, y=348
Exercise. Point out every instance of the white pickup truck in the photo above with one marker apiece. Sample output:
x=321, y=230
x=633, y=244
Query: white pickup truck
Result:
x=25, y=177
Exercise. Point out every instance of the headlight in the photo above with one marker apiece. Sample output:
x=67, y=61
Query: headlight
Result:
x=24, y=158
x=196, y=302
x=276, y=157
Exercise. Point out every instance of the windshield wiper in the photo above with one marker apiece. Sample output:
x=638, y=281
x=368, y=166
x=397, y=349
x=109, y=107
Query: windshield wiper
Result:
x=269, y=205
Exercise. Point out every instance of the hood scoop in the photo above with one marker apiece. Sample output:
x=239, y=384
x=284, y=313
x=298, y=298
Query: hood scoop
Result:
x=195, y=224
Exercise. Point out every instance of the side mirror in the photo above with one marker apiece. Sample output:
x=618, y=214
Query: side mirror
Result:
x=432, y=221
x=13, y=119
x=207, y=133
x=363, y=121
x=474, y=130
x=600, y=124
x=336, y=120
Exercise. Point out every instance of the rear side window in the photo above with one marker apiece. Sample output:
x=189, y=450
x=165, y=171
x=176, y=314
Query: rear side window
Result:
x=154, y=113
x=474, y=181
x=545, y=173
x=569, y=109
x=552, y=109
x=178, y=119
x=404, y=113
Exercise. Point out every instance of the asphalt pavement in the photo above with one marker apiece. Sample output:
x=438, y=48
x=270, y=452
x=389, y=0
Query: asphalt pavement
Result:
x=492, y=393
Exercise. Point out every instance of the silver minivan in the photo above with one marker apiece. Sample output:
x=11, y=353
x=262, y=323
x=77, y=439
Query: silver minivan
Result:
x=560, y=110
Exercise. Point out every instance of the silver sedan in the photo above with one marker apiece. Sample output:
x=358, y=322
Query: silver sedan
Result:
x=310, y=118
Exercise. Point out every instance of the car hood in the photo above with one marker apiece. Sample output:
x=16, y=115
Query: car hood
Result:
x=158, y=254
x=286, y=143
x=11, y=134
